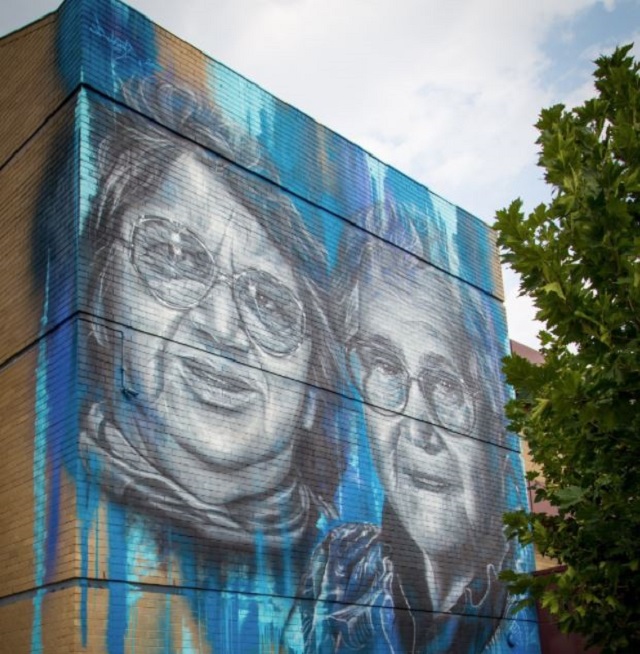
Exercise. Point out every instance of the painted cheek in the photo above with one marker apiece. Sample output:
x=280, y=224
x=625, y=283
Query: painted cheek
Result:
x=387, y=454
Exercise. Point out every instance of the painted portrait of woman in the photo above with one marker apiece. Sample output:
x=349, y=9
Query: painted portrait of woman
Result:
x=214, y=350
x=426, y=578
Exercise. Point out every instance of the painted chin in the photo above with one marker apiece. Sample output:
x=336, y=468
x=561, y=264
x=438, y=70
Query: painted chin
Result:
x=220, y=385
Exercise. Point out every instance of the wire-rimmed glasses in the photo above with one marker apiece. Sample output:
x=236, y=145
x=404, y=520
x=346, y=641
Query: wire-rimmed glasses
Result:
x=180, y=271
x=383, y=381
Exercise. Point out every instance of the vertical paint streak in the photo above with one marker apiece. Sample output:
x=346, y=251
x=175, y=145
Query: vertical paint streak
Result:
x=253, y=628
x=360, y=496
x=39, y=475
x=86, y=188
x=54, y=469
x=61, y=437
x=87, y=176
x=188, y=646
x=132, y=616
x=117, y=562
x=89, y=525
x=287, y=557
x=377, y=173
x=167, y=626
x=232, y=92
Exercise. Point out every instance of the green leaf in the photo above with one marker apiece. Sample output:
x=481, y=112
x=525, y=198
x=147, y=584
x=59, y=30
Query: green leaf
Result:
x=554, y=287
x=570, y=496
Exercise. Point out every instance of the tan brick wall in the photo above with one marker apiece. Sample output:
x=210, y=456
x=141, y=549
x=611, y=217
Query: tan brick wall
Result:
x=30, y=89
x=56, y=614
x=27, y=186
x=17, y=504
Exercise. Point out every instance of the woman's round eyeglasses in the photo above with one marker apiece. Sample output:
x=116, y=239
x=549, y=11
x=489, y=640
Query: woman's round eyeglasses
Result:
x=180, y=271
x=384, y=383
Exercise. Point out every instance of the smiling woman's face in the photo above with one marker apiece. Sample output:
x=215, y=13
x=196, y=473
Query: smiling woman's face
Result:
x=219, y=398
x=421, y=429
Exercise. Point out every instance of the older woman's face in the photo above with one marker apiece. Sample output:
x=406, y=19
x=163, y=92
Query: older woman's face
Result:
x=220, y=345
x=420, y=413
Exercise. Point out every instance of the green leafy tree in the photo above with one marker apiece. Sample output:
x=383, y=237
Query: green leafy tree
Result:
x=579, y=260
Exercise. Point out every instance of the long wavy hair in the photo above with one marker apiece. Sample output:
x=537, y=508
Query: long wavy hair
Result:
x=132, y=161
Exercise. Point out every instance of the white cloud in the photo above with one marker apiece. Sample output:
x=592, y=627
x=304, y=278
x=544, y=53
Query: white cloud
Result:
x=523, y=327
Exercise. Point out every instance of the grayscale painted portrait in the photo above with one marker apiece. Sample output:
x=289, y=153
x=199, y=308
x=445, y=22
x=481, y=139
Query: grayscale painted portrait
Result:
x=426, y=580
x=216, y=342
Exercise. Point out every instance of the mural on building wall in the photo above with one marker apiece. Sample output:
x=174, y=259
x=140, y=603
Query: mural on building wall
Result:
x=290, y=433
x=431, y=405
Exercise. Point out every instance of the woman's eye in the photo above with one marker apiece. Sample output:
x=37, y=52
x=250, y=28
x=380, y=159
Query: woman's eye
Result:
x=449, y=390
x=387, y=367
x=157, y=250
x=158, y=257
x=268, y=311
x=190, y=260
x=272, y=309
x=265, y=301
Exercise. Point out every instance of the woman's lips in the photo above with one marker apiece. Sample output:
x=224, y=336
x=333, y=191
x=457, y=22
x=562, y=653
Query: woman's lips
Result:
x=218, y=383
x=433, y=473
x=429, y=482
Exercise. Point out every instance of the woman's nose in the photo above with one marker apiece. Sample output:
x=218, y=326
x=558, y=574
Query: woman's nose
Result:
x=421, y=434
x=416, y=405
x=218, y=320
x=420, y=424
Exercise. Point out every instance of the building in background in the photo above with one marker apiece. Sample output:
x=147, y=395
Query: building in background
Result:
x=542, y=562
x=249, y=375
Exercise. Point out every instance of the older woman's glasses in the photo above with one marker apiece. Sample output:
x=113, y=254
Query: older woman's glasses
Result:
x=179, y=271
x=384, y=383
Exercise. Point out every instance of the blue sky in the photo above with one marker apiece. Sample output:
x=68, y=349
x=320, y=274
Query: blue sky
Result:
x=446, y=92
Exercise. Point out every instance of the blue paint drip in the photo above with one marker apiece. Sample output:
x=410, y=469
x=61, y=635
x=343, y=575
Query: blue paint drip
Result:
x=88, y=185
x=188, y=646
x=209, y=605
x=360, y=496
x=251, y=619
x=332, y=240
x=53, y=516
x=377, y=174
x=88, y=495
x=117, y=618
x=232, y=91
x=39, y=477
x=61, y=432
x=167, y=626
